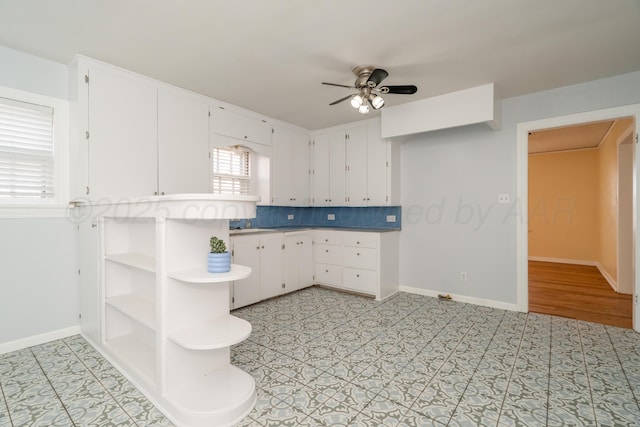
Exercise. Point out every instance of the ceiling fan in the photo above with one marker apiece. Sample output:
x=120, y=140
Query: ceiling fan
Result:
x=368, y=84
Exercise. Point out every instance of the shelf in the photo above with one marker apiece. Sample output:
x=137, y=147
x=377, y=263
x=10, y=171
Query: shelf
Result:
x=132, y=352
x=134, y=307
x=220, y=398
x=201, y=275
x=215, y=333
x=139, y=261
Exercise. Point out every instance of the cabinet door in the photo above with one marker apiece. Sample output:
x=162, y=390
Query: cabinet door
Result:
x=271, y=258
x=183, y=143
x=337, y=186
x=291, y=272
x=321, y=171
x=123, y=125
x=298, y=262
x=245, y=128
x=246, y=252
x=89, y=275
x=356, y=160
x=300, y=169
x=305, y=261
x=377, y=168
x=290, y=171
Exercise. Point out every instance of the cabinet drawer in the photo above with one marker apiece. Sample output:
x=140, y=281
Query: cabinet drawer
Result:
x=360, y=258
x=361, y=240
x=327, y=237
x=329, y=274
x=360, y=280
x=328, y=254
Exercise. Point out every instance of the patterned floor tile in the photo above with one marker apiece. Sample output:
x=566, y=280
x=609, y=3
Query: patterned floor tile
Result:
x=336, y=413
x=321, y=358
x=385, y=411
x=100, y=414
x=30, y=413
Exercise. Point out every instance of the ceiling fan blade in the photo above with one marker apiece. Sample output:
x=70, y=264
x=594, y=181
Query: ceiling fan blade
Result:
x=402, y=90
x=376, y=77
x=341, y=99
x=335, y=84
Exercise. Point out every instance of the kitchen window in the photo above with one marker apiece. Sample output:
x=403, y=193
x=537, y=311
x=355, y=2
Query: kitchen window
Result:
x=231, y=170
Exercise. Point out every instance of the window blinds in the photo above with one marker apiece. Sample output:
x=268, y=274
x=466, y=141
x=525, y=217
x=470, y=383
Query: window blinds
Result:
x=26, y=150
x=231, y=171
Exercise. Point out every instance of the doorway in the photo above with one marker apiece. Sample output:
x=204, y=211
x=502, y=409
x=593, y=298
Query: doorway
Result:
x=524, y=129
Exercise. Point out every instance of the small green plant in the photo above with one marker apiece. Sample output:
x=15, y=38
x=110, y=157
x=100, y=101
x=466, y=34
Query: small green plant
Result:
x=217, y=245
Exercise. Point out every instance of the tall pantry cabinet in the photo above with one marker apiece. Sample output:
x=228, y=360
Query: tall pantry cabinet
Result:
x=136, y=137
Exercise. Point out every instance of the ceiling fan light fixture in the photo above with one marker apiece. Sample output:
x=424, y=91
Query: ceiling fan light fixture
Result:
x=364, y=108
x=376, y=101
x=356, y=101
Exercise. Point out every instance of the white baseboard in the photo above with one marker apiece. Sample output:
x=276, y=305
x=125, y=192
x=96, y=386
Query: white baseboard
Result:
x=462, y=298
x=10, y=346
x=612, y=282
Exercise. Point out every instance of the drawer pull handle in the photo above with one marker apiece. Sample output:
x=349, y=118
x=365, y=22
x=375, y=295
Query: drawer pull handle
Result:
x=326, y=250
x=357, y=275
x=357, y=243
x=358, y=254
x=326, y=271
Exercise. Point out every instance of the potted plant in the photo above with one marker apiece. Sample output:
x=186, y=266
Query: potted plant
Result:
x=219, y=259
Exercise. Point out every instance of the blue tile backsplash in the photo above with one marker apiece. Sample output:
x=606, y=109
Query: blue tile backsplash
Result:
x=345, y=217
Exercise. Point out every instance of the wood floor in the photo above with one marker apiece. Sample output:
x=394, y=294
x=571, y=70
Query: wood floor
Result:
x=578, y=292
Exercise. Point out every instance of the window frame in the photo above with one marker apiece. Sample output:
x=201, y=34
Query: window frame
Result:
x=58, y=205
x=248, y=179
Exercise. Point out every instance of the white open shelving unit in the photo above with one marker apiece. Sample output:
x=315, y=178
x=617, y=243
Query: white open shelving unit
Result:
x=165, y=320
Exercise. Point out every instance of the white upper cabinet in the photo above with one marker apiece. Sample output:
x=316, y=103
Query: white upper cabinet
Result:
x=240, y=127
x=351, y=167
x=378, y=174
x=356, y=170
x=122, y=134
x=329, y=184
x=289, y=167
x=183, y=143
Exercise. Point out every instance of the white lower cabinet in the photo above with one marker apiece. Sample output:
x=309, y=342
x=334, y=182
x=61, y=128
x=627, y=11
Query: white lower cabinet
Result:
x=359, y=261
x=282, y=262
x=298, y=261
x=264, y=254
x=164, y=320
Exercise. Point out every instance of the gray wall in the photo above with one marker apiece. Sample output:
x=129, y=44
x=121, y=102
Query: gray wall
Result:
x=38, y=272
x=450, y=185
x=38, y=277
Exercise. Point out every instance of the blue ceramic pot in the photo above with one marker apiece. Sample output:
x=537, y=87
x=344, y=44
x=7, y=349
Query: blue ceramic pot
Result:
x=219, y=263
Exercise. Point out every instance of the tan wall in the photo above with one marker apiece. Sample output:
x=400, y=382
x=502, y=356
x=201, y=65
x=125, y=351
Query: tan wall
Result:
x=563, y=205
x=573, y=203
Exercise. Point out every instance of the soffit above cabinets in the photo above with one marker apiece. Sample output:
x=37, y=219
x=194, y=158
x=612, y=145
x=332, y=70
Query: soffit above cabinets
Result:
x=576, y=137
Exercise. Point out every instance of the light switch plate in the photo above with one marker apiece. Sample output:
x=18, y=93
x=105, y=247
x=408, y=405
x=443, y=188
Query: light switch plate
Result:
x=290, y=216
x=331, y=217
x=391, y=218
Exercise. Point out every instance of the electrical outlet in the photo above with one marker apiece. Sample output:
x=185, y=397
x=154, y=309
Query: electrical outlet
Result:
x=504, y=198
x=391, y=218
x=464, y=276
x=290, y=216
x=331, y=217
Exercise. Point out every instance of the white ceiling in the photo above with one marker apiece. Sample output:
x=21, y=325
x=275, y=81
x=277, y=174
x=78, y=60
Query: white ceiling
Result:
x=271, y=56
